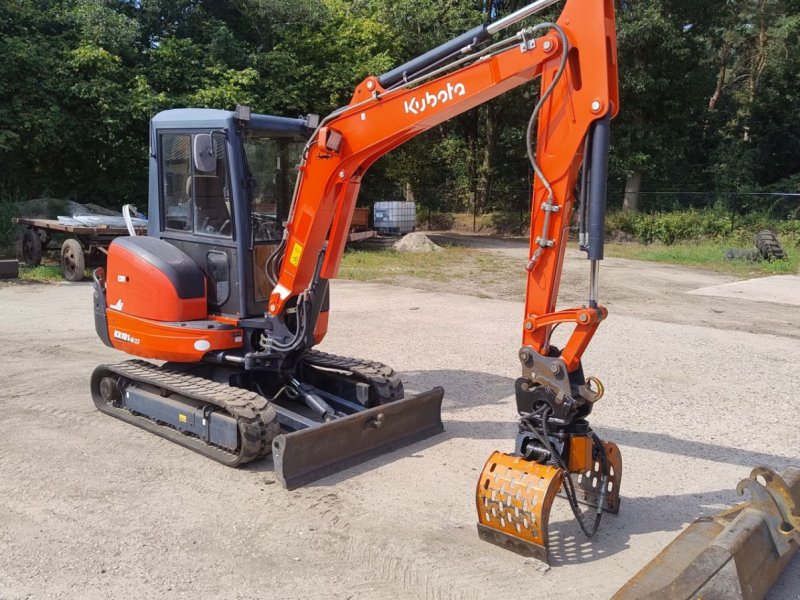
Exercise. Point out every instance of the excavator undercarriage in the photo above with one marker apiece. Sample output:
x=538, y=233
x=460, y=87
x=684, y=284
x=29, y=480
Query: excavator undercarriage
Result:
x=356, y=411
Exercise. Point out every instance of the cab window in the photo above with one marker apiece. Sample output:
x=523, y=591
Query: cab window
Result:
x=176, y=170
x=195, y=186
x=272, y=164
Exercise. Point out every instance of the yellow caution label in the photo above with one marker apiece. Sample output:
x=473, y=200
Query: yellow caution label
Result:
x=294, y=257
x=182, y=418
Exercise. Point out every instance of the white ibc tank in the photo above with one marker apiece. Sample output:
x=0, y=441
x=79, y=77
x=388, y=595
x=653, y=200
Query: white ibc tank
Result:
x=395, y=217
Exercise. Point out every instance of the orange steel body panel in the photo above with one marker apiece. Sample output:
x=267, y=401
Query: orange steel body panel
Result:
x=380, y=120
x=580, y=453
x=167, y=341
x=139, y=289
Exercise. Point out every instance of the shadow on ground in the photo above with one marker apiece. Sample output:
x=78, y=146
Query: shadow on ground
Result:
x=637, y=516
x=462, y=389
x=467, y=389
x=568, y=545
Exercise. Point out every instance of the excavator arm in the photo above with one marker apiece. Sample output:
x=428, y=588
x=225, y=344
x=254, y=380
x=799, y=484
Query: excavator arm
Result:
x=577, y=65
x=568, y=136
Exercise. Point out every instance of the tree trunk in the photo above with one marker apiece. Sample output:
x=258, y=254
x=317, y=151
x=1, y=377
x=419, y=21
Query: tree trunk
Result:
x=486, y=171
x=469, y=126
x=633, y=186
x=723, y=65
x=409, y=192
x=757, y=65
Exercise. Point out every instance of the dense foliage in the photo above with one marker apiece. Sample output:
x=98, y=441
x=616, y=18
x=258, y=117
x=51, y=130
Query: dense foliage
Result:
x=710, y=93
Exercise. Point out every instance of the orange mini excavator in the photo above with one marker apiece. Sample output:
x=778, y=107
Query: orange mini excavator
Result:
x=230, y=286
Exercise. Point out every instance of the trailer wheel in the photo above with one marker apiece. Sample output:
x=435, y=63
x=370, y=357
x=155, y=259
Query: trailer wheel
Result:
x=31, y=248
x=73, y=263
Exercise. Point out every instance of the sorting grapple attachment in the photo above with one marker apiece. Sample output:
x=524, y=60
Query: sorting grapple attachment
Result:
x=736, y=555
x=513, y=500
x=515, y=495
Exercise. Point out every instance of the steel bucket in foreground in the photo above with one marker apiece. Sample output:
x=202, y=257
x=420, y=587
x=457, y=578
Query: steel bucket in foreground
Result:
x=736, y=555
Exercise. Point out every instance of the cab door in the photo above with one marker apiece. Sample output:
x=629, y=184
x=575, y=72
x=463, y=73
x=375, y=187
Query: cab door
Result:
x=272, y=162
x=196, y=209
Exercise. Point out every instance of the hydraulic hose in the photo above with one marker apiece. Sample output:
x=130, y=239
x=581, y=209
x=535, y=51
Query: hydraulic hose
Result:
x=529, y=134
x=569, y=485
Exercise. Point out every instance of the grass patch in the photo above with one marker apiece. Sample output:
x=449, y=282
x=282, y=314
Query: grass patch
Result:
x=41, y=273
x=456, y=269
x=388, y=265
x=707, y=255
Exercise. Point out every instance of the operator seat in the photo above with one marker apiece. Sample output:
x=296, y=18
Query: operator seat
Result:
x=212, y=211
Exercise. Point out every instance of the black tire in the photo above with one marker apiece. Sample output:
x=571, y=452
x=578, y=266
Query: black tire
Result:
x=73, y=263
x=31, y=248
x=768, y=246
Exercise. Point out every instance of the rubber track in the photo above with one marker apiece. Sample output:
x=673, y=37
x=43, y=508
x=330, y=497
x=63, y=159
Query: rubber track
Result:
x=384, y=380
x=258, y=421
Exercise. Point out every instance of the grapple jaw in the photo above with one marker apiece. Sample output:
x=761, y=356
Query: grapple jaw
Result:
x=513, y=499
x=514, y=495
x=589, y=480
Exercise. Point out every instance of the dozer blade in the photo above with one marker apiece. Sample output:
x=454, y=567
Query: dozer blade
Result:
x=513, y=498
x=736, y=555
x=309, y=454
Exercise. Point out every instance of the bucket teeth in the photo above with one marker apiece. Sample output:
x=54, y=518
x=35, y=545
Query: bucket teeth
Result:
x=513, y=499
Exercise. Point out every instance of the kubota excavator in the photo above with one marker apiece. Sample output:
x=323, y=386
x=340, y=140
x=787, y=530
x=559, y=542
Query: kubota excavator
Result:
x=230, y=286
x=234, y=301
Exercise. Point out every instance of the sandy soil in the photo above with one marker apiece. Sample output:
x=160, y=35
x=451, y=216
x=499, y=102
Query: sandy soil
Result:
x=93, y=508
x=637, y=288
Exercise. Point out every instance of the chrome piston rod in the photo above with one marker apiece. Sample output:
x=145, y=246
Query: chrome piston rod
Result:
x=593, y=281
x=517, y=16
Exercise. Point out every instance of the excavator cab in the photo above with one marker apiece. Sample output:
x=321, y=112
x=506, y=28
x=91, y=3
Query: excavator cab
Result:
x=220, y=190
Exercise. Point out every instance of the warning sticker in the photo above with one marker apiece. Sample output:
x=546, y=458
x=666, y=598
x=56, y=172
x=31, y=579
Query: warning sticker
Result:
x=294, y=257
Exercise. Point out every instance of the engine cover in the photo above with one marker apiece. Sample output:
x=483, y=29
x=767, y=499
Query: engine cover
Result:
x=152, y=279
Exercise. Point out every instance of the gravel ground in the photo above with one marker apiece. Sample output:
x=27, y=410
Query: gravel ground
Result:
x=93, y=508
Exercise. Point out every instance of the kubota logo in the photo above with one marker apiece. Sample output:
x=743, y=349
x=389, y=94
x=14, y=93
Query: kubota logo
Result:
x=416, y=105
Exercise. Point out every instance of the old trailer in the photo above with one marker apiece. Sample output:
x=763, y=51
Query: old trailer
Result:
x=84, y=246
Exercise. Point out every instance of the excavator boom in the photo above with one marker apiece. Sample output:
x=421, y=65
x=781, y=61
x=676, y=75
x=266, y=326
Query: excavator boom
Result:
x=575, y=60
